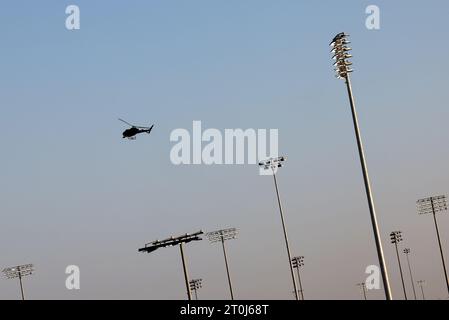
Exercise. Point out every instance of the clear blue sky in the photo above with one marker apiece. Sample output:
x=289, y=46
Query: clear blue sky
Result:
x=73, y=192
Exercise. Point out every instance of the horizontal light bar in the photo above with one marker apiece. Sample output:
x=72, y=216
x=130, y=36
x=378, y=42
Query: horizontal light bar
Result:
x=432, y=204
x=298, y=262
x=173, y=241
x=18, y=271
x=196, y=284
x=272, y=163
x=224, y=234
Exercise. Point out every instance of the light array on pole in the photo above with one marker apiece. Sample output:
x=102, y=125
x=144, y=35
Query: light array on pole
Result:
x=407, y=252
x=272, y=163
x=298, y=262
x=362, y=286
x=342, y=65
x=341, y=50
x=196, y=284
x=173, y=241
x=19, y=271
x=432, y=205
x=220, y=235
x=396, y=237
x=421, y=285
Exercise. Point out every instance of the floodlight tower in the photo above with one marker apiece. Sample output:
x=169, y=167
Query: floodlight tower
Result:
x=342, y=68
x=195, y=285
x=274, y=164
x=396, y=237
x=222, y=236
x=407, y=253
x=297, y=263
x=434, y=205
x=173, y=241
x=421, y=283
x=19, y=272
x=363, y=288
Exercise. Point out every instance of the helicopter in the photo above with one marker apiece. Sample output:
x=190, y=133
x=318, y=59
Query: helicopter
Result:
x=134, y=130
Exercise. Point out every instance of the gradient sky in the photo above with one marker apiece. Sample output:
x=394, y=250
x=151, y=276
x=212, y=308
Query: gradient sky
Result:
x=73, y=192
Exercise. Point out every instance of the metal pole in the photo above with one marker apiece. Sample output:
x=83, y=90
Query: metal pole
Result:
x=196, y=294
x=364, y=291
x=439, y=243
x=411, y=276
x=300, y=284
x=186, y=277
x=285, y=236
x=422, y=291
x=377, y=238
x=400, y=270
x=363, y=287
x=21, y=286
x=227, y=267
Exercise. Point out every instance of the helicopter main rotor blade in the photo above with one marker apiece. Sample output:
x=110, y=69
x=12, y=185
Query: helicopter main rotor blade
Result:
x=129, y=124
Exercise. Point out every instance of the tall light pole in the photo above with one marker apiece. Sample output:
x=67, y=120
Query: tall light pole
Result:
x=19, y=272
x=363, y=288
x=297, y=263
x=342, y=68
x=407, y=253
x=421, y=283
x=222, y=236
x=174, y=241
x=273, y=164
x=396, y=237
x=434, y=205
x=195, y=285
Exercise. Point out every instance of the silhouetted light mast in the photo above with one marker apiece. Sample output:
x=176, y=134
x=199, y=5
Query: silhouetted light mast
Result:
x=170, y=242
x=342, y=68
x=297, y=263
x=195, y=285
x=273, y=164
x=421, y=283
x=434, y=205
x=363, y=288
x=19, y=272
x=222, y=236
x=407, y=253
x=396, y=237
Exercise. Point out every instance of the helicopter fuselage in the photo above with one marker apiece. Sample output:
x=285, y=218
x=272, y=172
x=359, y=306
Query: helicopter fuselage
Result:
x=134, y=130
x=131, y=132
